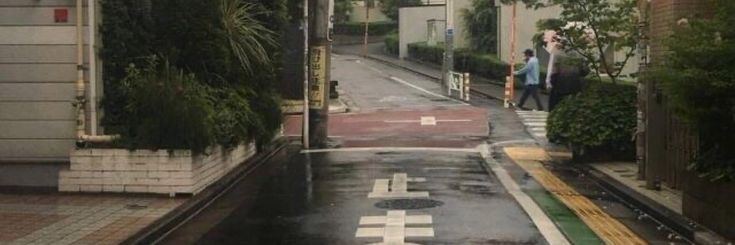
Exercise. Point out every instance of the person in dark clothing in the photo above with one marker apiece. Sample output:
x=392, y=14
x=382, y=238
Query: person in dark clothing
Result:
x=565, y=79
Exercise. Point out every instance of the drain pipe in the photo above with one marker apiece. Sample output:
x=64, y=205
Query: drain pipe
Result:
x=81, y=99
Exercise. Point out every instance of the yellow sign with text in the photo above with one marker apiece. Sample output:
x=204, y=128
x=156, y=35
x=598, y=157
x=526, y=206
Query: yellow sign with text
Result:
x=317, y=76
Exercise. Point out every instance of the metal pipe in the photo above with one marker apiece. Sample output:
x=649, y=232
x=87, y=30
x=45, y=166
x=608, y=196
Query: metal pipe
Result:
x=305, y=117
x=80, y=96
x=92, y=29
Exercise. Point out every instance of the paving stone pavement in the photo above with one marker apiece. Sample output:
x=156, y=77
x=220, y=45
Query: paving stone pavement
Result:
x=77, y=219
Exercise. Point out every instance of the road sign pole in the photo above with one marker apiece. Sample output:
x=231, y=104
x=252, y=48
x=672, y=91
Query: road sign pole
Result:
x=305, y=118
x=448, y=44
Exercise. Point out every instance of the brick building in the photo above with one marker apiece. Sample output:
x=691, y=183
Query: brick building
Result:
x=669, y=143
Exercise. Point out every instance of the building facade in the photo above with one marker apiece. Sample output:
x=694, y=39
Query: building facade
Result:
x=38, y=74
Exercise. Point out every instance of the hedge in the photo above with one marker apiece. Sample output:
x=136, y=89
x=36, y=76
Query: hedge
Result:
x=379, y=28
x=598, y=123
x=392, y=43
x=488, y=66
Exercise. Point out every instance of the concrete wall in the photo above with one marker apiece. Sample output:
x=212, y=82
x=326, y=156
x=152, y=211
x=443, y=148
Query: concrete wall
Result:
x=37, y=75
x=144, y=171
x=413, y=24
x=358, y=12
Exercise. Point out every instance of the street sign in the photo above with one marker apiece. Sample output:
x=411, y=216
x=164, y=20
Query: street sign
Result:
x=317, y=77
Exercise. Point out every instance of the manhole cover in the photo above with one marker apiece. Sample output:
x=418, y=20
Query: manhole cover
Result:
x=408, y=204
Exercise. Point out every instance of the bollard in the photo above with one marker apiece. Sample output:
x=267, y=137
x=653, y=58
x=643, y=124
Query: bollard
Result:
x=466, y=86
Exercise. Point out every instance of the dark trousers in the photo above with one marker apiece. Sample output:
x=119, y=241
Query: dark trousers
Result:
x=533, y=91
x=556, y=98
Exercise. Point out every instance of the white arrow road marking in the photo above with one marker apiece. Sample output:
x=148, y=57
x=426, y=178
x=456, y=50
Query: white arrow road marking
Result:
x=395, y=230
x=398, y=188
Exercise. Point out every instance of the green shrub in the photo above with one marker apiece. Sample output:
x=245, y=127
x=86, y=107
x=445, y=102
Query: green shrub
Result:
x=601, y=119
x=379, y=28
x=167, y=109
x=488, y=66
x=392, y=43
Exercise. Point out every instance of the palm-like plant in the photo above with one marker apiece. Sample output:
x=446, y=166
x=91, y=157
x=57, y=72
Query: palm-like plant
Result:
x=248, y=37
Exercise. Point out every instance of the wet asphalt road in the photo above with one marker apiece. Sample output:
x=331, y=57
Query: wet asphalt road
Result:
x=318, y=198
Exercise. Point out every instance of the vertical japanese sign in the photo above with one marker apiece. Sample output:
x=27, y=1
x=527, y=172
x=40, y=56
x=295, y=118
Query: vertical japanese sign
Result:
x=317, y=77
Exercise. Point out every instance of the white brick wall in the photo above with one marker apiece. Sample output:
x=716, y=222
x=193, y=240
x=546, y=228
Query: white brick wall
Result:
x=143, y=171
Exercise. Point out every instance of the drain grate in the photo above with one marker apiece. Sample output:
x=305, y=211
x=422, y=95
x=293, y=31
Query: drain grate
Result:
x=407, y=204
x=135, y=206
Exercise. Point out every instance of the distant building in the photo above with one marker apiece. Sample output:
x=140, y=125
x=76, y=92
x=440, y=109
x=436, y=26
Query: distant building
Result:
x=416, y=23
x=38, y=72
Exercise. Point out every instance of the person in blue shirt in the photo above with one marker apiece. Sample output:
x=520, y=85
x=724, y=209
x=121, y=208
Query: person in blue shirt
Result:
x=531, y=70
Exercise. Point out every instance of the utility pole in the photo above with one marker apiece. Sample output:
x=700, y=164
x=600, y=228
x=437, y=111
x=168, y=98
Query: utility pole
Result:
x=319, y=71
x=448, y=44
x=367, y=28
x=510, y=83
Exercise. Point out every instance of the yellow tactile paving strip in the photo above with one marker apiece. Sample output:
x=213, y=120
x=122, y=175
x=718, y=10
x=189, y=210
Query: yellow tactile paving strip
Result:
x=606, y=227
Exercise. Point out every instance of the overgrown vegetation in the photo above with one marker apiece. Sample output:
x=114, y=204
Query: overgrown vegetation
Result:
x=378, y=28
x=211, y=82
x=600, y=120
x=392, y=43
x=390, y=7
x=488, y=66
x=699, y=82
x=342, y=11
x=481, y=22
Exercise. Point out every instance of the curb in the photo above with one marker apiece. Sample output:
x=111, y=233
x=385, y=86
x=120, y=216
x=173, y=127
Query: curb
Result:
x=658, y=212
x=160, y=228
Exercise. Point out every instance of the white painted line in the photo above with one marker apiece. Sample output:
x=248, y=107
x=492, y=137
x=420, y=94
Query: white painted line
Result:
x=370, y=232
x=419, y=220
x=535, y=124
x=544, y=224
x=428, y=121
x=538, y=129
x=402, y=121
x=423, y=90
x=419, y=232
x=395, y=230
x=391, y=149
x=372, y=220
x=398, y=188
x=513, y=142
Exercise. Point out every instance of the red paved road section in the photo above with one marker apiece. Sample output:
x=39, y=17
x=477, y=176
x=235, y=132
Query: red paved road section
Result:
x=452, y=122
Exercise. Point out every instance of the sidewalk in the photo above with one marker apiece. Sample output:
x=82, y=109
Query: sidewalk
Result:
x=76, y=218
x=491, y=89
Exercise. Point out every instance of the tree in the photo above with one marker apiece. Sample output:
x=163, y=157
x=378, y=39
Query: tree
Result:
x=342, y=10
x=481, y=23
x=390, y=7
x=590, y=27
x=699, y=83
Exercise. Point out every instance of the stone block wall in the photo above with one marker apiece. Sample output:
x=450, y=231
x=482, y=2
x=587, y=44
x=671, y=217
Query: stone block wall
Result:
x=144, y=171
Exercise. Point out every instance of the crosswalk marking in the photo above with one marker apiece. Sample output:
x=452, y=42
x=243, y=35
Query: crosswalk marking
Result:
x=535, y=122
